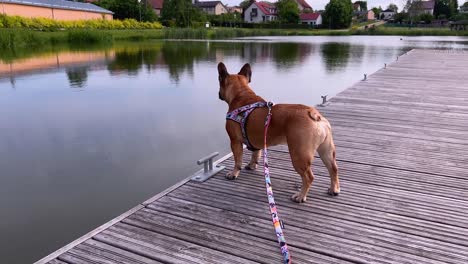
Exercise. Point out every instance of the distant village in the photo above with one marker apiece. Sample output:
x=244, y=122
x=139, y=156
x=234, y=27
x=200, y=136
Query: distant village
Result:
x=249, y=13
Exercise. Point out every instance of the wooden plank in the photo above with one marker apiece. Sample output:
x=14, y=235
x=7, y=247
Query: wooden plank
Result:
x=161, y=247
x=219, y=238
x=87, y=236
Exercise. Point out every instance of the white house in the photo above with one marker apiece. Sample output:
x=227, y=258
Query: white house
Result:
x=314, y=19
x=387, y=14
x=259, y=12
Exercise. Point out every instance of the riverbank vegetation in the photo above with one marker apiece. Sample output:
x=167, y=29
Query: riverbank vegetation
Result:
x=46, y=24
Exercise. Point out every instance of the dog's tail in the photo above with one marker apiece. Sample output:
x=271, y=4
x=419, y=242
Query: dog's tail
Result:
x=314, y=114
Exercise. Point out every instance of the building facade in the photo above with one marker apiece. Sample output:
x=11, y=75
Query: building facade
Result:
x=387, y=14
x=259, y=12
x=211, y=7
x=54, y=9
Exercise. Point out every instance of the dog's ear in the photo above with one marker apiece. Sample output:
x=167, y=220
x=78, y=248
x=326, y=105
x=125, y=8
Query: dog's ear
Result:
x=246, y=71
x=222, y=71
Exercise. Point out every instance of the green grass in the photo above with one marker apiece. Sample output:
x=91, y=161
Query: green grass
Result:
x=404, y=31
x=80, y=37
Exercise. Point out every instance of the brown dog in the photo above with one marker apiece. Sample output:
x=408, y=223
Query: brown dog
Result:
x=301, y=127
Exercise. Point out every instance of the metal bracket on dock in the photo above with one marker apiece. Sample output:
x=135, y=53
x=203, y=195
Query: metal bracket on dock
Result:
x=208, y=169
x=324, y=100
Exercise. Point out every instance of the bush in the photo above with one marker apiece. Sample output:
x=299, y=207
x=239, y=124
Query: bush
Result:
x=51, y=24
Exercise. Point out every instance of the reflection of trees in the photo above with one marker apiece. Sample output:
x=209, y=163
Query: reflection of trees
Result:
x=287, y=55
x=127, y=60
x=335, y=55
x=77, y=76
x=181, y=56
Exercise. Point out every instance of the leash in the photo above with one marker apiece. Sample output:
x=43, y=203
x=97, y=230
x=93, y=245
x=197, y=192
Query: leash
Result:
x=277, y=223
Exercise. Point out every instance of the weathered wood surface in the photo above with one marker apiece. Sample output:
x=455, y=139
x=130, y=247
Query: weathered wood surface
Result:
x=402, y=149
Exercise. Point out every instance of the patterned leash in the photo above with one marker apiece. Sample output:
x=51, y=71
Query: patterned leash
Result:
x=277, y=223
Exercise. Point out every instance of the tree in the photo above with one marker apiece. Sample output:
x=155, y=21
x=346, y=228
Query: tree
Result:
x=400, y=17
x=393, y=7
x=427, y=18
x=129, y=9
x=246, y=3
x=362, y=5
x=377, y=11
x=445, y=8
x=338, y=13
x=180, y=13
x=288, y=11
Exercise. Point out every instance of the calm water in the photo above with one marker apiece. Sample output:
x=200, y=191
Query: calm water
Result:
x=86, y=135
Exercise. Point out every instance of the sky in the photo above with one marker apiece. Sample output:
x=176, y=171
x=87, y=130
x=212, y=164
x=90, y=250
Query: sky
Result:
x=320, y=4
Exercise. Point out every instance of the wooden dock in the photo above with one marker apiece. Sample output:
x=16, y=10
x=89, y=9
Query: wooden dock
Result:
x=402, y=149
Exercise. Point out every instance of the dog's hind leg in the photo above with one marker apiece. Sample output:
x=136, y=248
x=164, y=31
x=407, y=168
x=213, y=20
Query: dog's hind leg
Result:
x=327, y=153
x=254, y=160
x=302, y=166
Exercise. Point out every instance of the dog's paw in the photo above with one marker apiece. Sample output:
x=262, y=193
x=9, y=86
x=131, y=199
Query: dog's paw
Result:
x=231, y=176
x=298, y=197
x=333, y=193
x=250, y=167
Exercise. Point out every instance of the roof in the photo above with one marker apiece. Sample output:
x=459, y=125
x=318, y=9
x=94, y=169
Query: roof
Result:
x=309, y=16
x=60, y=4
x=266, y=7
x=156, y=4
x=388, y=10
x=207, y=3
x=304, y=4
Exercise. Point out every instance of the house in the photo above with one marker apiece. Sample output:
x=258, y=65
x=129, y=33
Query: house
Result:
x=234, y=9
x=156, y=5
x=313, y=19
x=259, y=12
x=303, y=6
x=54, y=9
x=464, y=8
x=387, y=14
x=364, y=15
x=420, y=7
x=211, y=7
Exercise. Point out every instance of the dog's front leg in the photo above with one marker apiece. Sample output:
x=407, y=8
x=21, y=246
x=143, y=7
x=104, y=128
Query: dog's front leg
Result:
x=237, y=150
x=254, y=160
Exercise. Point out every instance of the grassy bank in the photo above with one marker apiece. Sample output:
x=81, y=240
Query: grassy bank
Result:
x=404, y=31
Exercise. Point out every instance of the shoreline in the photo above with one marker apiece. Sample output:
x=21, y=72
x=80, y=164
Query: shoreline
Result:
x=16, y=43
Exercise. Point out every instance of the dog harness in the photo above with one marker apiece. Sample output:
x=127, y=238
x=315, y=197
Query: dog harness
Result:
x=240, y=115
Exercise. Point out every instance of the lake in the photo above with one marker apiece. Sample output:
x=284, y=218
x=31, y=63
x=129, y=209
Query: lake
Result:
x=87, y=133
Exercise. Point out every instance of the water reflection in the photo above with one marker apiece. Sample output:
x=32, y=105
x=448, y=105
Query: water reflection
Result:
x=335, y=55
x=177, y=57
x=77, y=76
